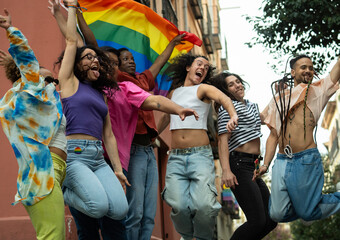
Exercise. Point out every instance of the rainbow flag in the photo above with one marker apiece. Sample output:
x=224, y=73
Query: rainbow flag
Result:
x=131, y=25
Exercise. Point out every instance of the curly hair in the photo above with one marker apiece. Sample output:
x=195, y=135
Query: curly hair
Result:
x=177, y=70
x=106, y=79
x=11, y=70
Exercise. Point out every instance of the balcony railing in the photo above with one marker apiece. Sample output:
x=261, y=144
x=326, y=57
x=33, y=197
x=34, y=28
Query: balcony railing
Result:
x=169, y=13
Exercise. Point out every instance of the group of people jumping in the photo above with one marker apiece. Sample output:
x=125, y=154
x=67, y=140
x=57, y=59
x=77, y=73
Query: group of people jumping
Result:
x=90, y=144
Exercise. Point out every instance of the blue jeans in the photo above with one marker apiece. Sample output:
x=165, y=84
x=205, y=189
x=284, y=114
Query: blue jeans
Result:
x=88, y=227
x=297, y=188
x=90, y=185
x=191, y=193
x=142, y=195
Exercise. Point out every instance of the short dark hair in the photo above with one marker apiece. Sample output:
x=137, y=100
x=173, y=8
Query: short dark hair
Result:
x=296, y=58
x=111, y=50
x=122, y=50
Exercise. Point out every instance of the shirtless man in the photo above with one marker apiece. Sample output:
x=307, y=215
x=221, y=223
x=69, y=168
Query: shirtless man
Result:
x=297, y=175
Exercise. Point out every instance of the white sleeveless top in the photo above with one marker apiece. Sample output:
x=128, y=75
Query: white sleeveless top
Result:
x=187, y=98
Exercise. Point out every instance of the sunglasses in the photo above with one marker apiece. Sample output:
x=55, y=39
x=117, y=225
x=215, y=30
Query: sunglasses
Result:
x=90, y=57
x=50, y=79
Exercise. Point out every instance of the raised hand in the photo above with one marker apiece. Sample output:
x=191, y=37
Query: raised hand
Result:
x=178, y=39
x=5, y=20
x=54, y=6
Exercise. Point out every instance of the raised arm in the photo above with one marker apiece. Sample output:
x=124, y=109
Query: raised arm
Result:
x=20, y=51
x=228, y=178
x=163, y=104
x=61, y=20
x=90, y=39
x=165, y=55
x=335, y=72
x=212, y=93
x=66, y=75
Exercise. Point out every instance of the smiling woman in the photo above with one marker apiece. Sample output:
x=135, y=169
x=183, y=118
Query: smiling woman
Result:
x=239, y=153
x=90, y=185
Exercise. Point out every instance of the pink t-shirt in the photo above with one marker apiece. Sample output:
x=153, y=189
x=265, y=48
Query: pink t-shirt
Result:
x=123, y=108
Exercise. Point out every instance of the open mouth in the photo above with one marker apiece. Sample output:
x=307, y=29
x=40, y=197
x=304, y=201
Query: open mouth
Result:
x=200, y=74
x=95, y=71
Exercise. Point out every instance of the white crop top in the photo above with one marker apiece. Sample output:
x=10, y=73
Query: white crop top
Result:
x=187, y=98
x=59, y=138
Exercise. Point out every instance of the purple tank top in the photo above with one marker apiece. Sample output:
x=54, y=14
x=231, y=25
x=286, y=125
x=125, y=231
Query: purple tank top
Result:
x=85, y=111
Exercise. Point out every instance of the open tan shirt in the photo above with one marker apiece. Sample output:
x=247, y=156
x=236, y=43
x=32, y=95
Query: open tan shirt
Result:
x=318, y=95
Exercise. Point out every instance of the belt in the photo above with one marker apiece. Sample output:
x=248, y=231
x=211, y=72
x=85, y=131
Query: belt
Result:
x=188, y=150
x=245, y=155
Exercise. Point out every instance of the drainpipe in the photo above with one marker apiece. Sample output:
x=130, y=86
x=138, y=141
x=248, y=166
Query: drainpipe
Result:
x=185, y=14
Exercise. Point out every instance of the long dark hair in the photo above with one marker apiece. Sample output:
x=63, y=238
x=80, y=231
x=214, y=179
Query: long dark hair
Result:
x=177, y=70
x=219, y=81
x=106, y=79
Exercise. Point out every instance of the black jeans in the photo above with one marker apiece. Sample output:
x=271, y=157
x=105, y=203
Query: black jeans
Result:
x=88, y=227
x=253, y=198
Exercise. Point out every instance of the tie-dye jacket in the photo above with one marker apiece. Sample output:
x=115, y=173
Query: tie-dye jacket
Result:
x=30, y=114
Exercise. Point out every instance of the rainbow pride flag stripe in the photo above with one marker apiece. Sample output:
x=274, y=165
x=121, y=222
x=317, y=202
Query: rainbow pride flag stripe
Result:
x=128, y=24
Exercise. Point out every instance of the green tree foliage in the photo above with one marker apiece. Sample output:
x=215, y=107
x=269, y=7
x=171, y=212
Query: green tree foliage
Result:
x=290, y=27
x=322, y=229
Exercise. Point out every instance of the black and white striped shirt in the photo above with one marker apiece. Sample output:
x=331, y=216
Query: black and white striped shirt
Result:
x=249, y=123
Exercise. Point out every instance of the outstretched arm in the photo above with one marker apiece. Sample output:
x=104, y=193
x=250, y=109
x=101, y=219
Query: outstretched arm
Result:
x=335, y=72
x=90, y=39
x=61, y=20
x=212, y=93
x=160, y=103
x=20, y=51
x=164, y=57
